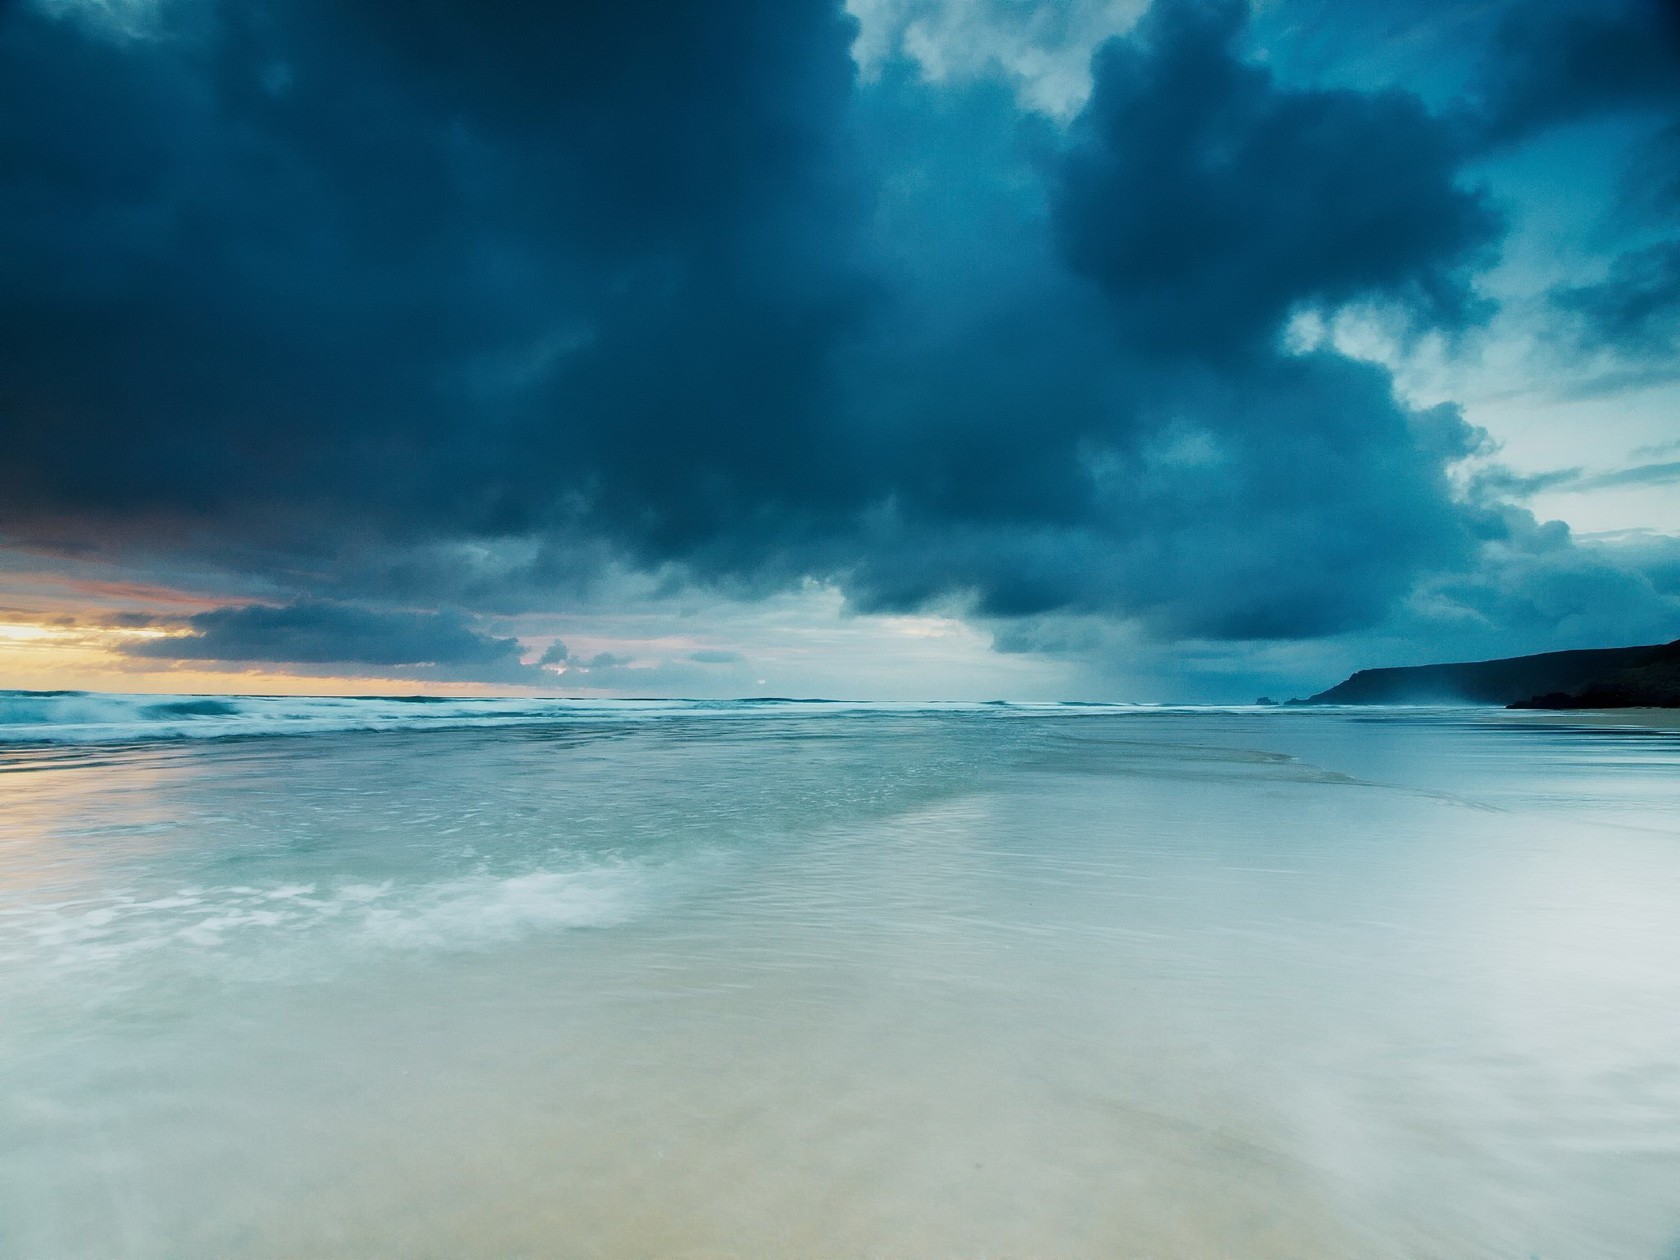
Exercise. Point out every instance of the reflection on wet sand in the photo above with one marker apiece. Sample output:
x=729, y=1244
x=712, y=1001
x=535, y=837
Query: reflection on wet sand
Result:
x=880, y=984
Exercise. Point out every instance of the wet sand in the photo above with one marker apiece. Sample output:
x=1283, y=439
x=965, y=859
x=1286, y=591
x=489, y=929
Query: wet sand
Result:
x=1654, y=719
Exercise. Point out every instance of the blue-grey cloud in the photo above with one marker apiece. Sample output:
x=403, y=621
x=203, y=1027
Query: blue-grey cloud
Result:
x=604, y=661
x=1597, y=61
x=323, y=633
x=1502, y=483
x=1635, y=309
x=349, y=295
x=1209, y=201
x=410, y=266
x=1663, y=474
x=1577, y=59
x=1111, y=425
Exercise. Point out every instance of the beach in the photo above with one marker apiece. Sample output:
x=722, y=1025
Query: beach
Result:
x=792, y=979
x=1647, y=719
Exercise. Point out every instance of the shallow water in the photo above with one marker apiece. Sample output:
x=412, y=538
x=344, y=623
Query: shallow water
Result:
x=808, y=981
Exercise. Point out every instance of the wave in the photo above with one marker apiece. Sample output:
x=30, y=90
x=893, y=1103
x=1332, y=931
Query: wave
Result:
x=269, y=925
x=84, y=717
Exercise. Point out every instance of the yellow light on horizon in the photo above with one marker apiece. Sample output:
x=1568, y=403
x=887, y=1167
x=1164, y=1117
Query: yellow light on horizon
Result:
x=42, y=656
x=22, y=632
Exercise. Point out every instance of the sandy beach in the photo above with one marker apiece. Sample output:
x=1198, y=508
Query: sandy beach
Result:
x=1651, y=719
x=799, y=980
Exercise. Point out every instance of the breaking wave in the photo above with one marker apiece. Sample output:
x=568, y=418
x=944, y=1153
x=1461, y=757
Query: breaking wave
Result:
x=80, y=717
x=469, y=912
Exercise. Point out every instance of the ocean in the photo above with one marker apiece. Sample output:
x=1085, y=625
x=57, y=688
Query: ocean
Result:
x=367, y=977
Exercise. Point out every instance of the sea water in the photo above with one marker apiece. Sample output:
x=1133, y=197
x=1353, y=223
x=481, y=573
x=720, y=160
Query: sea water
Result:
x=363, y=978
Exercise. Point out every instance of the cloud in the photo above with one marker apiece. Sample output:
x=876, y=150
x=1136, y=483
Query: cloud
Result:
x=715, y=656
x=366, y=305
x=1305, y=501
x=656, y=673
x=1112, y=425
x=1548, y=590
x=1210, y=202
x=1617, y=62
x=1583, y=59
x=403, y=269
x=1635, y=309
x=1664, y=474
x=605, y=660
x=1498, y=482
x=320, y=633
x=1044, y=50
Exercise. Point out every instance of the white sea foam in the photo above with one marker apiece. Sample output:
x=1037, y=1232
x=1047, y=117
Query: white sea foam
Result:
x=268, y=923
x=39, y=717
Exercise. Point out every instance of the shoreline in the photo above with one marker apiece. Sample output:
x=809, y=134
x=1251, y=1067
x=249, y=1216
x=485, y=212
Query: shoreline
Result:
x=1650, y=719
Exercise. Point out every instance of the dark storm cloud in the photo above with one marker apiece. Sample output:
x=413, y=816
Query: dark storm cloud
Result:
x=343, y=291
x=1113, y=426
x=1616, y=60
x=1210, y=202
x=1563, y=62
x=1301, y=499
x=436, y=266
x=1547, y=588
x=321, y=633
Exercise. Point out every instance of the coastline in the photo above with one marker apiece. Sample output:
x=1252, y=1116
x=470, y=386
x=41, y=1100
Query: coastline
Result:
x=1650, y=719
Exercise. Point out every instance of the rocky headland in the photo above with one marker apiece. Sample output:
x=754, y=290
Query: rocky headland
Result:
x=1593, y=678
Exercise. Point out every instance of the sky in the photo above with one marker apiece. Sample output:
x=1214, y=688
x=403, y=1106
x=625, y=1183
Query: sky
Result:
x=906, y=349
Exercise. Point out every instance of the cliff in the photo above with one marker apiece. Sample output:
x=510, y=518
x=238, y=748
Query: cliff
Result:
x=1618, y=677
x=1653, y=685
